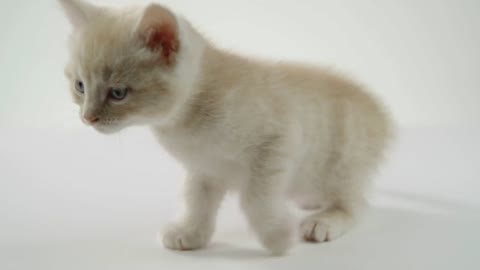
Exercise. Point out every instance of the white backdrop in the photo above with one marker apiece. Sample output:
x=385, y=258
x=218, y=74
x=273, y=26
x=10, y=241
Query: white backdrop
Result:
x=73, y=199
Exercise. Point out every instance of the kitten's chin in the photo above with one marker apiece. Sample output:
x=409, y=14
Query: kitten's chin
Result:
x=108, y=130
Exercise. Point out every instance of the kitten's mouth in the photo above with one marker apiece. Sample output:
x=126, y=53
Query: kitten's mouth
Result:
x=106, y=125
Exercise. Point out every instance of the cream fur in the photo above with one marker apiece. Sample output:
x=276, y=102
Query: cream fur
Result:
x=272, y=131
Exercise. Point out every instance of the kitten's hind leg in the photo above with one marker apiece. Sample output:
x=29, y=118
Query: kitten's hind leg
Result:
x=264, y=197
x=331, y=223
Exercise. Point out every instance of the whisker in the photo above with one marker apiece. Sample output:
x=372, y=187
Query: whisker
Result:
x=120, y=143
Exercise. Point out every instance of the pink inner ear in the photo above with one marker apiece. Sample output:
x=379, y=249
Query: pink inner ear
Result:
x=158, y=29
x=162, y=39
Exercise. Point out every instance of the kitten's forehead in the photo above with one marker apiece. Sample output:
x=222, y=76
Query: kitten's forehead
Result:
x=104, y=45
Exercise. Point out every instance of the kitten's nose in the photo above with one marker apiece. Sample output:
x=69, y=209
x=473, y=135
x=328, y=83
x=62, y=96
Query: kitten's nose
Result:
x=91, y=119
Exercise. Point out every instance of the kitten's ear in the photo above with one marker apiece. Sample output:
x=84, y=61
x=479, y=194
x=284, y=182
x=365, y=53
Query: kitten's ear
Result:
x=79, y=12
x=158, y=30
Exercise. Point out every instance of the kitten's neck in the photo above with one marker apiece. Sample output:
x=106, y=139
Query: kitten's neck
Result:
x=187, y=72
x=206, y=75
x=191, y=57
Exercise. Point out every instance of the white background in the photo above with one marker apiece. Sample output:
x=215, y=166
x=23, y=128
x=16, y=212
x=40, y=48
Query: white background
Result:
x=74, y=199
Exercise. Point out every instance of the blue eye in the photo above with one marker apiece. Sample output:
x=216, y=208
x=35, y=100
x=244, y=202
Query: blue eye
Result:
x=80, y=87
x=118, y=94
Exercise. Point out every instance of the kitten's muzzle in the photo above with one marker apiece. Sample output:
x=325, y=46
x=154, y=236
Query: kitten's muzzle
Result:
x=90, y=120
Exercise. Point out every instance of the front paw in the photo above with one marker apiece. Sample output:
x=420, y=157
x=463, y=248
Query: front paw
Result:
x=179, y=237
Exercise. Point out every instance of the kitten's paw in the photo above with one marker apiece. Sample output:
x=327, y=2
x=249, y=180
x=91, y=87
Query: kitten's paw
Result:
x=278, y=239
x=323, y=228
x=183, y=238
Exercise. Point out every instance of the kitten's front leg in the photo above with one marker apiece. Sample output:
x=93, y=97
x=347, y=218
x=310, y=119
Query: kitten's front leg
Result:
x=194, y=231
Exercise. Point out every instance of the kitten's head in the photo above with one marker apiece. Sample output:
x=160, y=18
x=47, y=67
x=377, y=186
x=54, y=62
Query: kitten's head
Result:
x=123, y=67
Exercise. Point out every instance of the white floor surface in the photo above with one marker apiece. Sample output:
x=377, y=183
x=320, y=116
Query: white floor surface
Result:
x=74, y=199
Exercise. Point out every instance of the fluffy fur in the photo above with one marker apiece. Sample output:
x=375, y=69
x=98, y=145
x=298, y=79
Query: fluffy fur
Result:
x=271, y=131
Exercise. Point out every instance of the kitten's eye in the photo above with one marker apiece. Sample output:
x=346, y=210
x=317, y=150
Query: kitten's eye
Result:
x=118, y=94
x=80, y=87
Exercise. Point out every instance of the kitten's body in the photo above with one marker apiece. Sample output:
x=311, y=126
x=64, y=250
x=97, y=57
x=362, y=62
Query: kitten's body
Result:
x=269, y=130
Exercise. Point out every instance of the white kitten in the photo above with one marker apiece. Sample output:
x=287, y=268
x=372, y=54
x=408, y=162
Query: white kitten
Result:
x=271, y=131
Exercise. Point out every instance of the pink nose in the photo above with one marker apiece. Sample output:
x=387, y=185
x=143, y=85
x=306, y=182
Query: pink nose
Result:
x=91, y=119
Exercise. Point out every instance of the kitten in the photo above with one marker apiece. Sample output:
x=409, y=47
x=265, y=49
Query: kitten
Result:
x=271, y=131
